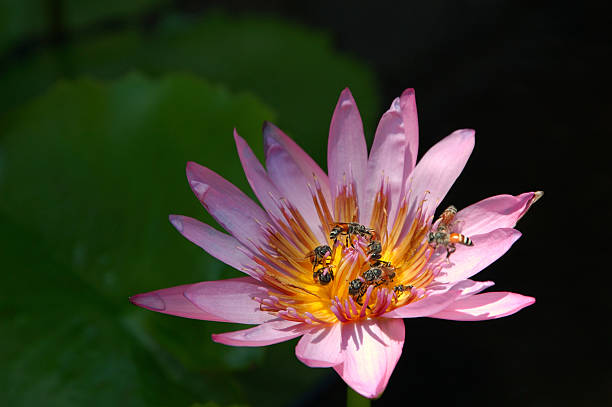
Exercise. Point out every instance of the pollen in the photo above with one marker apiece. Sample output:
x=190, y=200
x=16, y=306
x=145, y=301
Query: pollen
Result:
x=358, y=272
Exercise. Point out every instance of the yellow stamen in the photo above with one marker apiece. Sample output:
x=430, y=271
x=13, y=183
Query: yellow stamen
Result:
x=297, y=294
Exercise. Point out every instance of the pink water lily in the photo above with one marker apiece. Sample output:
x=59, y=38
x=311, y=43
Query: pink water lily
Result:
x=361, y=334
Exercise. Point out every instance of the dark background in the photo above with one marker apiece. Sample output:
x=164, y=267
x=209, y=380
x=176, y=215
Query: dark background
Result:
x=531, y=79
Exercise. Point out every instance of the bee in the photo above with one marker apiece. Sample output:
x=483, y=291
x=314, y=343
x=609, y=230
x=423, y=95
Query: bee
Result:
x=447, y=217
x=375, y=250
x=382, y=263
x=319, y=254
x=378, y=275
x=399, y=289
x=350, y=229
x=324, y=275
x=357, y=289
x=373, y=276
x=443, y=236
x=448, y=240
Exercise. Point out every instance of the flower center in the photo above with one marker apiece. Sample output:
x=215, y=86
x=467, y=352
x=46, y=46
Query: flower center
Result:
x=359, y=272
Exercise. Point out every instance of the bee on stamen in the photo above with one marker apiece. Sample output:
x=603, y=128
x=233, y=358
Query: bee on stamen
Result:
x=400, y=289
x=379, y=275
x=373, y=276
x=319, y=254
x=375, y=250
x=443, y=235
x=324, y=275
x=350, y=229
x=382, y=263
x=357, y=289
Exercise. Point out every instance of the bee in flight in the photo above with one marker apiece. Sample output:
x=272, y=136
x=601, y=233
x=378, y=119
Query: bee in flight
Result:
x=443, y=235
x=319, y=254
x=350, y=229
x=324, y=275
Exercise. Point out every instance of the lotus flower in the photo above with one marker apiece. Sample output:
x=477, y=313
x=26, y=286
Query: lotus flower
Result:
x=392, y=202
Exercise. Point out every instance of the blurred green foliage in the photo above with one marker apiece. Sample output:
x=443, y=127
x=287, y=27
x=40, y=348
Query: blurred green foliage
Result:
x=88, y=174
x=79, y=13
x=287, y=66
x=21, y=19
x=213, y=404
x=91, y=167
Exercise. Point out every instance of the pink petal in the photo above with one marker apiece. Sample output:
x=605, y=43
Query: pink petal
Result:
x=173, y=301
x=501, y=211
x=485, y=306
x=269, y=333
x=411, y=132
x=436, y=300
x=321, y=347
x=372, y=349
x=230, y=207
x=411, y=129
x=220, y=245
x=469, y=260
x=260, y=183
x=291, y=181
x=230, y=300
x=347, y=152
x=386, y=161
x=439, y=168
x=477, y=287
x=308, y=166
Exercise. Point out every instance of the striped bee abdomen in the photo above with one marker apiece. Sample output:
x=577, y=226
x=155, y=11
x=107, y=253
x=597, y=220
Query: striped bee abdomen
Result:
x=459, y=238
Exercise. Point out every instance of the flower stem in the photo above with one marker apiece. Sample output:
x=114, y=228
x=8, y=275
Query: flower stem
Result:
x=354, y=399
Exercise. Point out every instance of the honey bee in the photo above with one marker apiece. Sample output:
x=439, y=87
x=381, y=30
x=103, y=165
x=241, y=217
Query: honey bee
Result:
x=448, y=240
x=373, y=276
x=400, y=289
x=350, y=229
x=382, y=263
x=319, y=254
x=443, y=236
x=357, y=289
x=324, y=275
x=378, y=275
x=375, y=250
x=447, y=217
